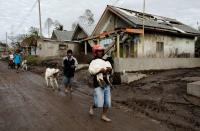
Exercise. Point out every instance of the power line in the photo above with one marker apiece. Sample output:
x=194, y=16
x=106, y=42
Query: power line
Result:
x=116, y=2
x=26, y=16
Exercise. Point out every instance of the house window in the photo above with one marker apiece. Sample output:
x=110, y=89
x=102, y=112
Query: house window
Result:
x=160, y=49
x=62, y=47
x=106, y=42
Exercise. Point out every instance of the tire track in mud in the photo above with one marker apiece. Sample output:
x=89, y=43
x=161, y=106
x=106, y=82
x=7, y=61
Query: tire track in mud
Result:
x=163, y=97
x=160, y=112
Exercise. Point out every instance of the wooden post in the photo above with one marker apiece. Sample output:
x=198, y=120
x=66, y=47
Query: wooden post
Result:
x=143, y=29
x=85, y=47
x=118, y=46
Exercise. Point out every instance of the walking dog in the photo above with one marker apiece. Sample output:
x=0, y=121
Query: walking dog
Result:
x=51, y=76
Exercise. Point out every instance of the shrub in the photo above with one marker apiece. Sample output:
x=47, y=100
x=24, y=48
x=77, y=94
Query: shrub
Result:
x=33, y=60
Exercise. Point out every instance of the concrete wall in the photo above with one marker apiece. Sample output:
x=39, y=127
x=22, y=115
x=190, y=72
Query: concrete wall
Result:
x=173, y=46
x=51, y=48
x=47, y=49
x=137, y=64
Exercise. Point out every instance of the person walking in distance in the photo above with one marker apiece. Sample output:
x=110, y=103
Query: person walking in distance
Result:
x=102, y=95
x=70, y=63
x=17, y=60
x=11, y=61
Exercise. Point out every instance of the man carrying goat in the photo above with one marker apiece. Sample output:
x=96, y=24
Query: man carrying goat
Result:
x=100, y=70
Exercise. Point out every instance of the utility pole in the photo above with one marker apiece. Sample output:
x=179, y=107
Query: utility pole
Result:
x=144, y=4
x=48, y=29
x=40, y=20
x=6, y=38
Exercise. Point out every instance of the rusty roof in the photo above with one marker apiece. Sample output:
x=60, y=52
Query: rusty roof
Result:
x=154, y=22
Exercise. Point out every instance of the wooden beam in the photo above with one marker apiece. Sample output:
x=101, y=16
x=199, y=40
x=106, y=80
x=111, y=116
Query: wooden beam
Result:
x=85, y=48
x=131, y=30
x=104, y=34
x=118, y=46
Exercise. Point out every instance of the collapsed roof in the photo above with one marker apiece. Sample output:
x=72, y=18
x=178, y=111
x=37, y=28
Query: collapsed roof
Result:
x=152, y=22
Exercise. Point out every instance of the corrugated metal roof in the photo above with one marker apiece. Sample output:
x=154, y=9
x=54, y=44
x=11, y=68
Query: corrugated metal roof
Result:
x=63, y=35
x=154, y=21
x=87, y=28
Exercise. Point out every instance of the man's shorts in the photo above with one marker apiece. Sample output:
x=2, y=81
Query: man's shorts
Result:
x=17, y=65
x=102, y=97
x=67, y=81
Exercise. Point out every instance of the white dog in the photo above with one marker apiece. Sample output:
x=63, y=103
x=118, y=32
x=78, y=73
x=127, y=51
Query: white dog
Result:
x=24, y=65
x=51, y=75
x=94, y=68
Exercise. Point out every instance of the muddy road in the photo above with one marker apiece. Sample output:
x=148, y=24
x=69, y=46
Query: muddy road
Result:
x=26, y=105
x=163, y=96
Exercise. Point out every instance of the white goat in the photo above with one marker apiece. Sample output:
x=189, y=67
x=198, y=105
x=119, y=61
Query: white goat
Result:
x=24, y=65
x=94, y=68
x=51, y=75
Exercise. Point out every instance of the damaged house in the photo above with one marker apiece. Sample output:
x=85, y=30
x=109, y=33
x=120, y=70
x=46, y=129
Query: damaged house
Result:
x=165, y=43
x=57, y=45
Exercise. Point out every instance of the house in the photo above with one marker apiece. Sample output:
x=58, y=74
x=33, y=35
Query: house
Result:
x=164, y=43
x=81, y=32
x=3, y=50
x=52, y=48
x=58, y=45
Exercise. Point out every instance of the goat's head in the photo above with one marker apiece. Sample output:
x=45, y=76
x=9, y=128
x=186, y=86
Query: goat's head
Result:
x=56, y=72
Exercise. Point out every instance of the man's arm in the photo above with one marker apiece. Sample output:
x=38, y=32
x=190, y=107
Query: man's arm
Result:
x=76, y=62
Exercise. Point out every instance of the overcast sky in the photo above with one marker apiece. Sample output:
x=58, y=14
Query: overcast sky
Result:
x=18, y=15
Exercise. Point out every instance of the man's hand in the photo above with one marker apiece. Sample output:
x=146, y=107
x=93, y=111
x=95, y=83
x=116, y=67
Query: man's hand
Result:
x=108, y=69
x=102, y=71
x=72, y=66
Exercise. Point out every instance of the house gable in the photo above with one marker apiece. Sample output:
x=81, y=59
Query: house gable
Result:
x=54, y=37
x=110, y=21
x=79, y=33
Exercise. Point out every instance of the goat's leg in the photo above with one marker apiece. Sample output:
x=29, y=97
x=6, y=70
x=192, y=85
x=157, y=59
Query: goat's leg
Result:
x=56, y=83
x=100, y=79
x=52, y=83
x=47, y=81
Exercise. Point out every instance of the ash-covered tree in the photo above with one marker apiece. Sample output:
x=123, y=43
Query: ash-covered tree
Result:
x=86, y=19
x=48, y=25
x=31, y=38
x=74, y=25
x=51, y=24
x=33, y=31
x=58, y=25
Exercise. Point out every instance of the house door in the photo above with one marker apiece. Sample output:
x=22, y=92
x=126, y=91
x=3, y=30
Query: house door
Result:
x=159, y=49
x=126, y=50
